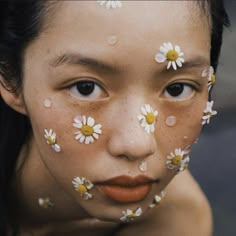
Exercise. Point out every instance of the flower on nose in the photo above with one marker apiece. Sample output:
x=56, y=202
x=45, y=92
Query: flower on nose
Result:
x=82, y=186
x=208, y=113
x=110, y=3
x=174, y=159
x=148, y=118
x=88, y=131
x=129, y=215
x=170, y=53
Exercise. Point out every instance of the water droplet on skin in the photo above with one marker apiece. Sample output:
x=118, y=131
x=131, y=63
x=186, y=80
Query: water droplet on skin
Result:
x=47, y=103
x=204, y=72
x=185, y=137
x=112, y=40
x=171, y=120
x=143, y=166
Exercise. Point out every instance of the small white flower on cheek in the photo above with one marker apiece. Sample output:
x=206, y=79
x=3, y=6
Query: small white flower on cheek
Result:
x=129, y=215
x=148, y=118
x=208, y=113
x=174, y=159
x=51, y=140
x=171, y=54
x=83, y=186
x=88, y=131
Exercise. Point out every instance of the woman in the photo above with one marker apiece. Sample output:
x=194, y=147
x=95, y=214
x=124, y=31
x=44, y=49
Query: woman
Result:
x=101, y=102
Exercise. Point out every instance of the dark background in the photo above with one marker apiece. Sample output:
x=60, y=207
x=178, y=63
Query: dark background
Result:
x=213, y=160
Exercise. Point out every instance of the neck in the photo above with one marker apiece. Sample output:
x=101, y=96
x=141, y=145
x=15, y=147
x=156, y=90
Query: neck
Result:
x=33, y=181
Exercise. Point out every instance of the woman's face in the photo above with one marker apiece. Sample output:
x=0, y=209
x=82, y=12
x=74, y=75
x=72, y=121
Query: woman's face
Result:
x=96, y=62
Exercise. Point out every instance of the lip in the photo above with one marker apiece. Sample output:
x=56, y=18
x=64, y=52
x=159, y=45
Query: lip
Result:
x=126, y=189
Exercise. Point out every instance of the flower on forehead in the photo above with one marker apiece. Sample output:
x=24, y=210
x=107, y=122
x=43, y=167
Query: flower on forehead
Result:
x=88, y=131
x=51, y=139
x=208, y=113
x=170, y=53
x=157, y=199
x=174, y=159
x=184, y=164
x=110, y=3
x=211, y=78
x=45, y=203
x=129, y=215
x=82, y=186
x=148, y=118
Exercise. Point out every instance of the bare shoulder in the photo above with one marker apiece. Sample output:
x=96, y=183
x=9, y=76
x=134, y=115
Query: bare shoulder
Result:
x=184, y=211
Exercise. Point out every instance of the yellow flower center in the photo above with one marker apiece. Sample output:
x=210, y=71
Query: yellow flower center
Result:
x=131, y=216
x=172, y=55
x=50, y=140
x=213, y=79
x=150, y=118
x=176, y=160
x=82, y=189
x=87, y=130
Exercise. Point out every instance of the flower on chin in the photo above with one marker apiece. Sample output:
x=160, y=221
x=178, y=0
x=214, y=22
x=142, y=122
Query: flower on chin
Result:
x=174, y=159
x=172, y=54
x=88, y=131
x=129, y=215
x=157, y=199
x=110, y=4
x=82, y=186
x=208, y=113
x=148, y=118
x=51, y=139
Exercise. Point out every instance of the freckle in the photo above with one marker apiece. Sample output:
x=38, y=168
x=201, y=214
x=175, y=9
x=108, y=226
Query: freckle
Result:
x=112, y=40
x=47, y=103
x=143, y=166
x=204, y=72
x=171, y=120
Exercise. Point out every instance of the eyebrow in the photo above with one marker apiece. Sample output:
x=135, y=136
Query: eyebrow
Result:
x=79, y=59
x=195, y=62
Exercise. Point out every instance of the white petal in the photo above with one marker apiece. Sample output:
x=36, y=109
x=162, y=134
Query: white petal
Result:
x=78, y=136
x=87, y=140
x=84, y=120
x=90, y=121
x=82, y=139
x=169, y=65
x=159, y=57
x=96, y=136
x=138, y=212
x=174, y=65
x=143, y=110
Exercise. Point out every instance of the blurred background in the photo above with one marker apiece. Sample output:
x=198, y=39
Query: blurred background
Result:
x=213, y=160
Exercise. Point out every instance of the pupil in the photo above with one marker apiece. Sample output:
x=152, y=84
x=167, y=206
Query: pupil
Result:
x=175, y=89
x=85, y=87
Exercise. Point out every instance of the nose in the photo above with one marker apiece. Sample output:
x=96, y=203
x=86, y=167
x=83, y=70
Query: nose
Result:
x=130, y=140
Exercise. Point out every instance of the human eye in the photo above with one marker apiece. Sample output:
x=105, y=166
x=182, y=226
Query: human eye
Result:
x=179, y=91
x=87, y=90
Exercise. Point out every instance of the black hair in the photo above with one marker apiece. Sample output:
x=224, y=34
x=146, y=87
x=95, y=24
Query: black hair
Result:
x=20, y=23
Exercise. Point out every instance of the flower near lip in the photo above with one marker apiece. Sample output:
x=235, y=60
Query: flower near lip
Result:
x=174, y=159
x=170, y=53
x=148, y=118
x=157, y=199
x=211, y=78
x=51, y=139
x=82, y=186
x=88, y=130
x=208, y=113
x=110, y=3
x=129, y=215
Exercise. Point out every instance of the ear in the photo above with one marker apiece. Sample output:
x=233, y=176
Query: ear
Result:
x=13, y=99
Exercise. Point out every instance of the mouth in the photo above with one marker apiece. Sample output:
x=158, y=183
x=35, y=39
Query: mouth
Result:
x=126, y=189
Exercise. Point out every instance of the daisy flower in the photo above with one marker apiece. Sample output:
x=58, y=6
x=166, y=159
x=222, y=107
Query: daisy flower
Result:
x=148, y=118
x=170, y=53
x=82, y=186
x=110, y=3
x=88, y=131
x=211, y=78
x=45, y=202
x=130, y=215
x=157, y=199
x=174, y=159
x=208, y=113
x=184, y=164
x=51, y=139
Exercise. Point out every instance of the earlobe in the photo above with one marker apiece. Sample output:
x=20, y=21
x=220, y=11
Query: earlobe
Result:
x=13, y=99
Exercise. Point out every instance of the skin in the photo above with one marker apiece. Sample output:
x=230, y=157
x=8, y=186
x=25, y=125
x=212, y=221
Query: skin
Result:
x=136, y=79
